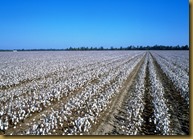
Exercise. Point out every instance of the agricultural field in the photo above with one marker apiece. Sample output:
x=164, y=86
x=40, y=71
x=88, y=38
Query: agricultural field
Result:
x=94, y=93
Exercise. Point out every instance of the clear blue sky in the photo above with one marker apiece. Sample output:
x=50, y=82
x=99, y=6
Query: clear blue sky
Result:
x=63, y=23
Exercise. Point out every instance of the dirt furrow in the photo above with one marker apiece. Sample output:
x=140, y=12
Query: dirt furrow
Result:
x=108, y=123
x=55, y=78
x=178, y=108
x=55, y=104
x=134, y=109
x=175, y=64
x=148, y=126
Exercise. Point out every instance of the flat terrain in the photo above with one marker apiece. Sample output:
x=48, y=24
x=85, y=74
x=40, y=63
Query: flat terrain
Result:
x=94, y=93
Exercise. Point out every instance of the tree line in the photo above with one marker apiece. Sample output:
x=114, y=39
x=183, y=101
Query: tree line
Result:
x=131, y=47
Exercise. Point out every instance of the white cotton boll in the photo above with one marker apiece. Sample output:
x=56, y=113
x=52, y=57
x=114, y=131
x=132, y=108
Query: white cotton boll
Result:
x=1, y=113
x=52, y=126
x=34, y=127
x=42, y=125
x=15, y=123
x=6, y=126
x=1, y=127
x=28, y=132
x=1, y=122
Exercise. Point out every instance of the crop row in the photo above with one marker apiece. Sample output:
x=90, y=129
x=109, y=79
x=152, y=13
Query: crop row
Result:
x=19, y=107
x=83, y=109
x=178, y=76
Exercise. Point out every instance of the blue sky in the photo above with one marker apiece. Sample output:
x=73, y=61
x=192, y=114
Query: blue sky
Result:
x=63, y=23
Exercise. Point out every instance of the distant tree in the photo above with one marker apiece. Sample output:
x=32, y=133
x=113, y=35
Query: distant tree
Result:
x=185, y=47
x=70, y=48
x=128, y=48
x=147, y=48
x=177, y=47
x=82, y=48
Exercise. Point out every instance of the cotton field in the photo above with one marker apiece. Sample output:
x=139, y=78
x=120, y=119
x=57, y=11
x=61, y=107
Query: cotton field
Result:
x=94, y=93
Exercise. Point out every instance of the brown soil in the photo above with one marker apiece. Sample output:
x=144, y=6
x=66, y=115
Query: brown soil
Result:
x=106, y=123
x=115, y=117
x=178, y=108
